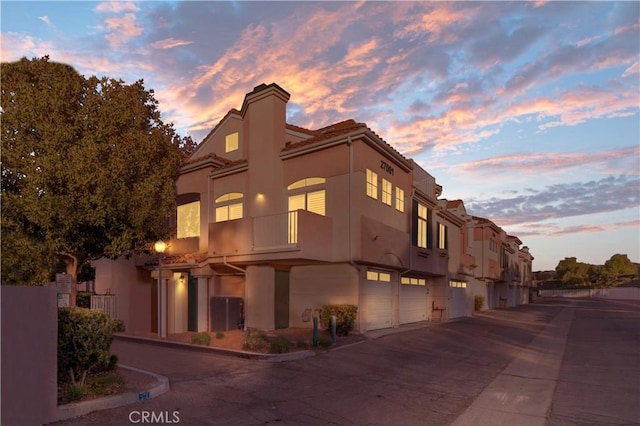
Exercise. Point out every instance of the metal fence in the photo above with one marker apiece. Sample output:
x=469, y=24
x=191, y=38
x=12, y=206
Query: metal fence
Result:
x=104, y=302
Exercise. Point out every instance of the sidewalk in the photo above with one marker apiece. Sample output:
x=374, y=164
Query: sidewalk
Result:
x=523, y=392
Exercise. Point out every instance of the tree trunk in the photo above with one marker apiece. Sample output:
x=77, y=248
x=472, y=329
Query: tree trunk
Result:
x=71, y=263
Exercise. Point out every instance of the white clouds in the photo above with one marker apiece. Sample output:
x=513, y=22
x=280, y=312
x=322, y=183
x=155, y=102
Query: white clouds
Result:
x=45, y=19
x=170, y=43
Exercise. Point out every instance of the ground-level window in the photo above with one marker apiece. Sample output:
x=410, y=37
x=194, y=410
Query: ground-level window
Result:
x=458, y=284
x=413, y=281
x=373, y=275
x=229, y=206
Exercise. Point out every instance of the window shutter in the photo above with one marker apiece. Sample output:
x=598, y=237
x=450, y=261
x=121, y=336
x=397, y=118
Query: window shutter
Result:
x=296, y=202
x=414, y=223
x=235, y=211
x=429, y=228
x=316, y=202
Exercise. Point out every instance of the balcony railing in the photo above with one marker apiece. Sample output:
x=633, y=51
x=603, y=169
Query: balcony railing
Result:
x=278, y=230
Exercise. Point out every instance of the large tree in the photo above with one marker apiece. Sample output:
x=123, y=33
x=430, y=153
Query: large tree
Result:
x=88, y=169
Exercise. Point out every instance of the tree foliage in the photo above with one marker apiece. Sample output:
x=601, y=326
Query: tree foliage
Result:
x=571, y=273
x=88, y=168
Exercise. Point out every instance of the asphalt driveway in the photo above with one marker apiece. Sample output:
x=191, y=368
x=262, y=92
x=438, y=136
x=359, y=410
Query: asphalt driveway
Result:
x=426, y=376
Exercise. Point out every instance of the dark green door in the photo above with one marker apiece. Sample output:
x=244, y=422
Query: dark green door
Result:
x=192, y=304
x=282, y=300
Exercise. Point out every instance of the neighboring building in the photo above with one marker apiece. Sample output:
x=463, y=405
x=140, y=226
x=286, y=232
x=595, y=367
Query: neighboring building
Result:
x=273, y=221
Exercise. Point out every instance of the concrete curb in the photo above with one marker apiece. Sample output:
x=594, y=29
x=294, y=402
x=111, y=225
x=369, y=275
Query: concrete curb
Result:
x=290, y=356
x=77, y=409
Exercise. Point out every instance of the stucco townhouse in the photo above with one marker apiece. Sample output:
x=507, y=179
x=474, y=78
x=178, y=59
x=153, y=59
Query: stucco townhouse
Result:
x=273, y=221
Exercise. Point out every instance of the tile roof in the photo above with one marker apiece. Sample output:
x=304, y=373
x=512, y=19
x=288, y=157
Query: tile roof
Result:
x=176, y=259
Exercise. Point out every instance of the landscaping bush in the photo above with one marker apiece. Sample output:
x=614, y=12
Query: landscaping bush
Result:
x=478, y=302
x=279, y=345
x=118, y=326
x=324, y=341
x=219, y=335
x=255, y=341
x=345, y=317
x=84, y=340
x=83, y=299
x=201, y=338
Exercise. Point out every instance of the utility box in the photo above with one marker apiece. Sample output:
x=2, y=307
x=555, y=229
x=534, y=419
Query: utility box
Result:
x=226, y=313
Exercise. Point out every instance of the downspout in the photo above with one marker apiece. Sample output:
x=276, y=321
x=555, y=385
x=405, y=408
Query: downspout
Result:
x=244, y=272
x=351, y=262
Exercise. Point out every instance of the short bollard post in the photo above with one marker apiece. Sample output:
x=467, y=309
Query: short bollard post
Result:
x=333, y=329
x=315, y=332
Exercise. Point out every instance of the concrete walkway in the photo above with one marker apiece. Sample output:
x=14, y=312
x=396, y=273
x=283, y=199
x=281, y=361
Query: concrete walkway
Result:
x=523, y=392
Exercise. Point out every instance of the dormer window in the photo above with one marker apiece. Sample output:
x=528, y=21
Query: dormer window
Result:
x=231, y=142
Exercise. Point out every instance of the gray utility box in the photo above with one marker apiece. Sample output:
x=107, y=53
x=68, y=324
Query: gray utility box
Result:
x=226, y=313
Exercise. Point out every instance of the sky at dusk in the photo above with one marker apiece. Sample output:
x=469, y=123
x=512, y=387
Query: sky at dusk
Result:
x=528, y=112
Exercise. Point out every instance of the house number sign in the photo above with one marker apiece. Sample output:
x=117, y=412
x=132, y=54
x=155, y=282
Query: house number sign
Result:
x=386, y=167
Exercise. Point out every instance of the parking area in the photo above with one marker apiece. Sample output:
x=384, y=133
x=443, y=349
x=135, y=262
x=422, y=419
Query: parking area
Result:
x=426, y=375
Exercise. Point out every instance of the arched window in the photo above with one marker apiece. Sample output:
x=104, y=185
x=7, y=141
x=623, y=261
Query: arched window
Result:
x=308, y=194
x=229, y=206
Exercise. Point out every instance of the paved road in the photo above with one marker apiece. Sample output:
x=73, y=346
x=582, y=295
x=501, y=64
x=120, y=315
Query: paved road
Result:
x=436, y=375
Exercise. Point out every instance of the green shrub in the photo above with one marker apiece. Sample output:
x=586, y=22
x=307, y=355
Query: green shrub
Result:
x=478, y=302
x=303, y=344
x=83, y=299
x=324, y=341
x=279, y=345
x=255, y=341
x=201, y=338
x=219, y=335
x=75, y=392
x=345, y=317
x=118, y=326
x=84, y=340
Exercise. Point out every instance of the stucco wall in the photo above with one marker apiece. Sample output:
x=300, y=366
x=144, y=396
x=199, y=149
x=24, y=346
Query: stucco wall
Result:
x=317, y=285
x=29, y=355
x=260, y=282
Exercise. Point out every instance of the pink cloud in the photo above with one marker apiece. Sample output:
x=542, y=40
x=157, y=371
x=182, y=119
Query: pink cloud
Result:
x=121, y=29
x=116, y=7
x=541, y=163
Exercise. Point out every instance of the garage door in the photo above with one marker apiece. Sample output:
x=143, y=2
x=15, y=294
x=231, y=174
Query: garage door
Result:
x=413, y=303
x=378, y=302
x=457, y=302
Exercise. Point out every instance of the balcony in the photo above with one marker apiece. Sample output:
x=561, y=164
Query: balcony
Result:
x=300, y=233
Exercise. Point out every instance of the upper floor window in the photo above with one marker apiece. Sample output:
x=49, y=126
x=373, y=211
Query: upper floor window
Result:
x=421, y=223
x=372, y=184
x=422, y=226
x=458, y=284
x=231, y=142
x=442, y=236
x=306, y=194
x=229, y=206
x=387, y=189
x=399, y=199
x=188, y=220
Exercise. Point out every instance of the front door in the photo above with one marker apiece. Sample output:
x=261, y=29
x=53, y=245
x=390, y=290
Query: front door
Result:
x=192, y=304
x=282, y=300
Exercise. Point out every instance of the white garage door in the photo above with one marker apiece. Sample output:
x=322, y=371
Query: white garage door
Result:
x=378, y=302
x=413, y=303
x=457, y=302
